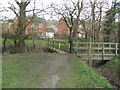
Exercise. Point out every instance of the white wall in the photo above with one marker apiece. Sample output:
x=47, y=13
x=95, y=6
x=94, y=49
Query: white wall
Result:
x=50, y=34
x=80, y=35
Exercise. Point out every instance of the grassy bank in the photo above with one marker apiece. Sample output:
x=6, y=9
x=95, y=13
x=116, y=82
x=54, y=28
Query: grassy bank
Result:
x=112, y=65
x=27, y=70
x=0, y=71
x=27, y=42
x=23, y=70
x=8, y=42
x=111, y=71
x=82, y=76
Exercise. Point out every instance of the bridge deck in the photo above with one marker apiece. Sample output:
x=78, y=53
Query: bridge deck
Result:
x=95, y=58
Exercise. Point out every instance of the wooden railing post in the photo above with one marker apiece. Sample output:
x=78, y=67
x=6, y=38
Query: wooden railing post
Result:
x=103, y=51
x=90, y=54
x=53, y=43
x=116, y=48
x=77, y=53
x=59, y=47
x=90, y=50
x=69, y=45
x=48, y=43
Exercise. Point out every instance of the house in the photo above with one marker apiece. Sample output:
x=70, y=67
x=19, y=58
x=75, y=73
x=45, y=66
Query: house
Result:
x=50, y=32
x=81, y=32
x=39, y=25
x=34, y=29
x=13, y=27
x=3, y=29
x=62, y=29
x=6, y=32
x=39, y=29
x=4, y=26
x=53, y=26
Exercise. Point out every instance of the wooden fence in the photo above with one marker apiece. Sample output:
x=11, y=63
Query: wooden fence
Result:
x=87, y=50
x=58, y=45
x=96, y=50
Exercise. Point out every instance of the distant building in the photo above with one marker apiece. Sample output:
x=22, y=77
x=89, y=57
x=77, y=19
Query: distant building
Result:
x=40, y=29
x=50, y=32
x=81, y=32
x=37, y=30
x=53, y=26
x=62, y=29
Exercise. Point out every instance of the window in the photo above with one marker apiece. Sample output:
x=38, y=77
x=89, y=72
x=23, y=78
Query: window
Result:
x=40, y=33
x=40, y=25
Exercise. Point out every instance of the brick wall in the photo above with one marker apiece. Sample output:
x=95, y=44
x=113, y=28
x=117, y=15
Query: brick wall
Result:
x=62, y=28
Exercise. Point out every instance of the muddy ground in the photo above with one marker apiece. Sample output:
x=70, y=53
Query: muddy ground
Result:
x=53, y=71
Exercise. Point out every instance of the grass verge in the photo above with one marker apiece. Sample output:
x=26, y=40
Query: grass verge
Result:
x=113, y=65
x=27, y=42
x=81, y=76
x=23, y=70
x=111, y=71
x=0, y=71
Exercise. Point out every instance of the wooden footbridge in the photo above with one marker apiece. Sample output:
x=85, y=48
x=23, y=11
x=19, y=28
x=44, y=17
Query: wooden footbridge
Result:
x=87, y=50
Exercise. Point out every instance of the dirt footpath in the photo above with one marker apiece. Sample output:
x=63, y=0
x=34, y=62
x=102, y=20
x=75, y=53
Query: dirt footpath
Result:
x=56, y=66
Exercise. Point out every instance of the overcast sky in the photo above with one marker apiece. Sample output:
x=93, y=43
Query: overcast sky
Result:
x=4, y=3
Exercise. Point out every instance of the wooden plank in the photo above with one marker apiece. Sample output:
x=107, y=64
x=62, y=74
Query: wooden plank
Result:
x=109, y=54
x=97, y=48
x=116, y=49
x=95, y=43
x=97, y=58
x=98, y=54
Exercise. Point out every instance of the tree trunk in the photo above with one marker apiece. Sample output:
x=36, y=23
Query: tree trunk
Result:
x=15, y=42
x=4, y=44
x=93, y=21
x=33, y=44
x=119, y=32
x=119, y=36
x=71, y=41
x=22, y=27
x=71, y=44
x=21, y=45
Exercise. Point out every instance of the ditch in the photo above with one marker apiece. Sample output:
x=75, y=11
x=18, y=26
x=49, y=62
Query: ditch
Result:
x=102, y=68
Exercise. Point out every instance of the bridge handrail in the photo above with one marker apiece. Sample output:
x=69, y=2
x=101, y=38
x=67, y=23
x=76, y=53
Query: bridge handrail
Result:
x=90, y=48
x=59, y=44
x=96, y=48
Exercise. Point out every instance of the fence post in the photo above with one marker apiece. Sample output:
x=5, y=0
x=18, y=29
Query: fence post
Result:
x=76, y=48
x=48, y=43
x=59, y=46
x=77, y=53
x=90, y=50
x=90, y=54
x=53, y=45
x=103, y=52
x=69, y=45
x=116, y=47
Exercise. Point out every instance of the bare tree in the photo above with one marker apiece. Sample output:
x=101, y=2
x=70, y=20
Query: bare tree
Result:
x=97, y=33
x=70, y=13
x=93, y=6
x=5, y=34
x=118, y=10
x=119, y=33
x=23, y=21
